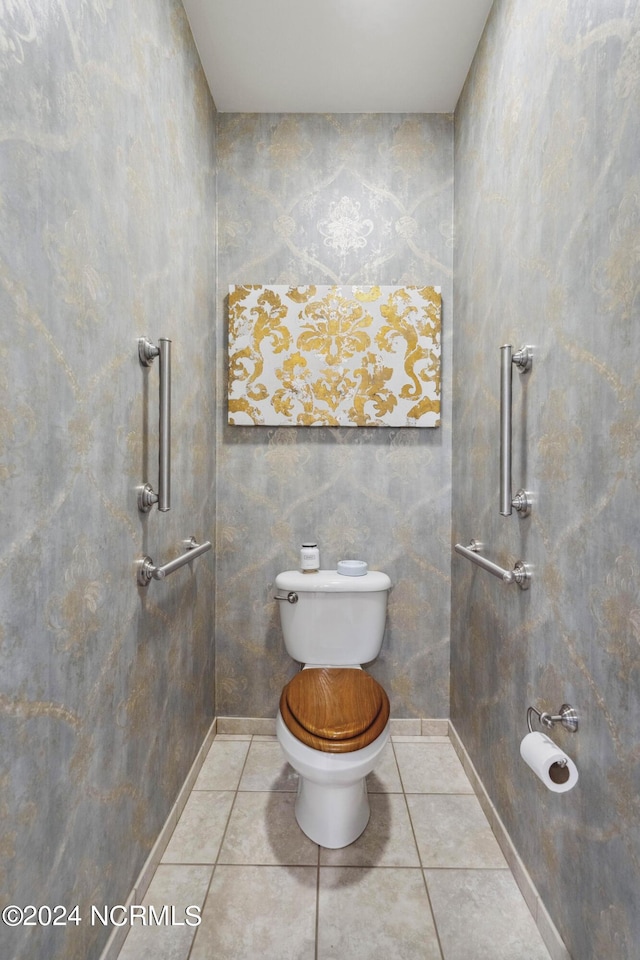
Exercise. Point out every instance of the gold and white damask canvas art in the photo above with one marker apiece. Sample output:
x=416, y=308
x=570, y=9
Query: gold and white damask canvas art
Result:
x=337, y=356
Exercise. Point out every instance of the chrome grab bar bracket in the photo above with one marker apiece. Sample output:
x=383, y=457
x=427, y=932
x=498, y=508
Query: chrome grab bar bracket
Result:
x=144, y=574
x=523, y=359
x=522, y=503
x=147, y=571
x=146, y=498
x=522, y=574
x=147, y=352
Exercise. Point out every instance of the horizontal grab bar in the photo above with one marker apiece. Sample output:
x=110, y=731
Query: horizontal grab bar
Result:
x=147, y=571
x=520, y=574
x=471, y=553
x=192, y=553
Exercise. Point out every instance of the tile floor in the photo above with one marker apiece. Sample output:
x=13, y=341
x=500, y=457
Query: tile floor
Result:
x=426, y=880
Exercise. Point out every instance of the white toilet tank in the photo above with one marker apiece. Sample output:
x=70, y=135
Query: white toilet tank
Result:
x=336, y=620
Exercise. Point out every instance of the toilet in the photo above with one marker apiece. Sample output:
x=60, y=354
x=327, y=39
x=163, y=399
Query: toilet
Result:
x=333, y=719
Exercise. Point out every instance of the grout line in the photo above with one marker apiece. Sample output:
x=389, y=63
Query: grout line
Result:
x=422, y=868
x=204, y=903
x=233, y=804
x=317, y=926
x=433, y=916
x=406, y=803
x=395, y=759
x=222, y=839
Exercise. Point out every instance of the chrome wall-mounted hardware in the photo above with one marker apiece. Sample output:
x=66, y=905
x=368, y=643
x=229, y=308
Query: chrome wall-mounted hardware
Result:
x=147, y=571
x=291, y=597
x=523, y=359
x=567, y=716
x=521, y=573
x=147, y=352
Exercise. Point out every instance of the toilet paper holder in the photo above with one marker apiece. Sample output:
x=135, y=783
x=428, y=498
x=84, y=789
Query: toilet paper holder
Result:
x=567, y=716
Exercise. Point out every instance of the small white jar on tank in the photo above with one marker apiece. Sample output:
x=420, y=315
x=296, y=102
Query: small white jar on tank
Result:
x=309, y=558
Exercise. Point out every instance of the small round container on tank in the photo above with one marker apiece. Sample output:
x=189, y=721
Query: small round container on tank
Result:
x=352, y=568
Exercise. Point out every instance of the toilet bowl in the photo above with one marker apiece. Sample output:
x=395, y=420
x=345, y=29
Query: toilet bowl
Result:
x=333, y=719
x=332, y=805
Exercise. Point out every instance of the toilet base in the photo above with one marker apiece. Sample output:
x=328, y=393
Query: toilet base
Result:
x=332, y=815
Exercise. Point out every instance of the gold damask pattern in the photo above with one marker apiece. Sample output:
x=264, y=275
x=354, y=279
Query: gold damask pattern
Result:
x=334, y=356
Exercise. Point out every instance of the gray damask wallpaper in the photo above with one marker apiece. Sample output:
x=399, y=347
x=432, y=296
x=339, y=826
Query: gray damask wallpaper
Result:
x=547, y=182
x=315, y=199
x=107, y=190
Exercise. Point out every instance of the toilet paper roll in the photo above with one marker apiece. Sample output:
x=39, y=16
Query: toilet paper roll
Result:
x=545, y=759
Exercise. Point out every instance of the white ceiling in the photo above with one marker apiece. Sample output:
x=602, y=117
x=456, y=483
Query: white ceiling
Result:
x=336, y=56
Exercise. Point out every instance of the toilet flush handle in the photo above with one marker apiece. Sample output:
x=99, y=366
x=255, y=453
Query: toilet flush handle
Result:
x=291, y=597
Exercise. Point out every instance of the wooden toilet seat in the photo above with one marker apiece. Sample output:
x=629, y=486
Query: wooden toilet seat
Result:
x=334, y=709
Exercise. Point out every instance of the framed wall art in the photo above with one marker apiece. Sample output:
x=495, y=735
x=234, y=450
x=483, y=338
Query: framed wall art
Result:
x=343, y=356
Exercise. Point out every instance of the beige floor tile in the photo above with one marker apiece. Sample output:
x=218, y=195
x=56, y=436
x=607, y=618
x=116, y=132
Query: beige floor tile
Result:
x=267, y=769
x=374, y=915
x=481, y=915
x=200, y=829
x=386, y=842
x=180, y=887
x=385, y=778
x=258, y=913
x=371, y=897
x=223, y=765
x=263, y=830
x=452, y=831
x=431, y=768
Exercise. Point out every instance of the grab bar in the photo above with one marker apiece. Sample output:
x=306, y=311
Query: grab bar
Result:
x=147, y=571
x=523, y=360
x=521, y=574
x=147, y=352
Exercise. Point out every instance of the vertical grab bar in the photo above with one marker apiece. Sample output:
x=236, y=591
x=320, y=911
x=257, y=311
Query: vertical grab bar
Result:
x=523, y=360
x=505, y=430
x=147, y=352
x=164, y=454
